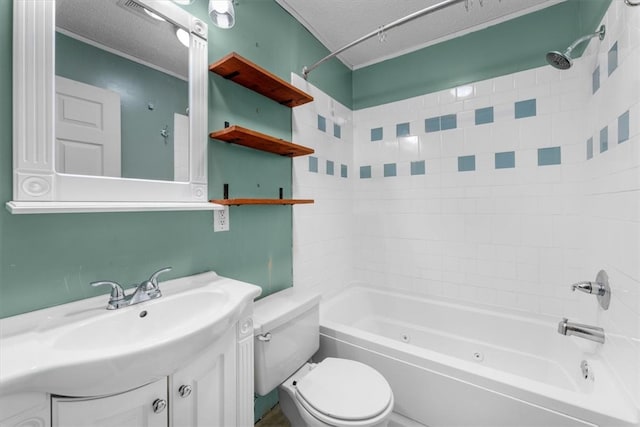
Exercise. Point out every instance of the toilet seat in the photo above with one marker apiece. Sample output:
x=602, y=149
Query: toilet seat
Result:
x=342, y=392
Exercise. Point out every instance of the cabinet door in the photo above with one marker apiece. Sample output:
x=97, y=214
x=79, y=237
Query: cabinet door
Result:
x=134, y=408
x=211, y=383
x=25, y=410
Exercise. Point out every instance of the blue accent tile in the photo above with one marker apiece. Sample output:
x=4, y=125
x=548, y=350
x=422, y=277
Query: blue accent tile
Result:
x=589, y=148
x=365, y=171
x=525, y=108
x=418, y=168
x=432, y=124
x=376, y=134
x=612, y=58
x=466, y=163
x=623, y=127
x=595, y=80
x=313, y=164
x=403, y=129
x=484, y=115
x=549, y=156
x=343, y=171
x=329, y=167
x=337, y=131
x=322, y=123
x=450, y=121
x=389, y=169
x=604, y=139
x=506, y=160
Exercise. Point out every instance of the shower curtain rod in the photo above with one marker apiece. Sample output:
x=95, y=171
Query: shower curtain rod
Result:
x=306, y=70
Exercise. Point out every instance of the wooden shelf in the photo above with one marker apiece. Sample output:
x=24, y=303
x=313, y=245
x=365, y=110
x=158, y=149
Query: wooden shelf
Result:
x=259, y=141
x=229, y=202
x=246, y=73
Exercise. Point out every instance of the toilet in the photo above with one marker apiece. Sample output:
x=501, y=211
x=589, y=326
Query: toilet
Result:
x=334, y=392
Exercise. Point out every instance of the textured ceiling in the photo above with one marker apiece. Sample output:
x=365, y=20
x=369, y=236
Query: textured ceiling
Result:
x=123, y=25
x=338, y=22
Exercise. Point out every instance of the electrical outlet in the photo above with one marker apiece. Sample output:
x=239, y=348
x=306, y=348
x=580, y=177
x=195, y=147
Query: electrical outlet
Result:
x=221, y=219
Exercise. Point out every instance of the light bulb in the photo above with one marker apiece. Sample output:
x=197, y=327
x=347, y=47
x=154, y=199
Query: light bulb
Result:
x=222, y=13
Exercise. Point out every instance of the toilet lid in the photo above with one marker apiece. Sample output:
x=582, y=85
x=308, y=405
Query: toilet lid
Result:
x=345, y=389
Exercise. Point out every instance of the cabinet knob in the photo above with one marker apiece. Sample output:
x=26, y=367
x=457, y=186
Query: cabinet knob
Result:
x=185, y=390
x=159, y=405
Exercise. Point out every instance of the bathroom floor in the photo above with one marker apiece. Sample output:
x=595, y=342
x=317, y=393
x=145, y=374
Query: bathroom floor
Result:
x=275, y=418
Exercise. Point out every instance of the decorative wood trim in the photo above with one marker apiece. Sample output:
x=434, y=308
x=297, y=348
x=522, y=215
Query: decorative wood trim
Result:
x=259, y=141
x=252, y=76
x=33, y=99
x=198, y=100
x=244, y=403
x=238, y=202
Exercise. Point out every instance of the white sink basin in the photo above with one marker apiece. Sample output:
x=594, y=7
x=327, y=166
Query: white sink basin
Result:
x=82, y=349
x=164, y=319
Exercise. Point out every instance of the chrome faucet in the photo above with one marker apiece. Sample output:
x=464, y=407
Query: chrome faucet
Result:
x=145, y=291
x=593, y=333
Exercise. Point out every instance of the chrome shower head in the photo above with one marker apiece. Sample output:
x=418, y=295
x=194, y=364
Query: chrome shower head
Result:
x=563, y=60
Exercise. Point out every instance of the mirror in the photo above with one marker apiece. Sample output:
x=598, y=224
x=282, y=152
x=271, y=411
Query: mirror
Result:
x=110, y=106
x=120, y=65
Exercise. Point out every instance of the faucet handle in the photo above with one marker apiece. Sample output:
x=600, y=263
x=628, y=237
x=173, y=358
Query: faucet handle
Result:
x=154, y=277
x=117, y=294
x=586, y=287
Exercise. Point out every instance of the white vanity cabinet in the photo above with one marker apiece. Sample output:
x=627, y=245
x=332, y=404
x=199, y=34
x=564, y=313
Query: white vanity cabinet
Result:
x=182, y=360
x=203, y=393
x=144, y=407
x=214, y=390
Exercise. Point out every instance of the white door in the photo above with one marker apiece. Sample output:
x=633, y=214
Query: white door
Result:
x=180, y=147
x=141, y=407
x=87, y=129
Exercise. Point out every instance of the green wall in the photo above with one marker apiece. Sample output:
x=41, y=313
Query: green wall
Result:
x=144, y=152
x=50, y=259
x=506, y=48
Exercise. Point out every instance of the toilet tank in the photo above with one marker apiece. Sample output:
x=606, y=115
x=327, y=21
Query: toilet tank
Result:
x=286, y=335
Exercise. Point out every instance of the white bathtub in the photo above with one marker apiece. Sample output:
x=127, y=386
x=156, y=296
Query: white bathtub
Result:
x=456, y=365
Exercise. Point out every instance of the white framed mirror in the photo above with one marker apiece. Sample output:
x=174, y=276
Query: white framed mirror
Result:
x=110, y=108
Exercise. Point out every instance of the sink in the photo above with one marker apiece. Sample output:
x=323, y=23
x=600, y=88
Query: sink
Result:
x=82, y=349
x=163, y=319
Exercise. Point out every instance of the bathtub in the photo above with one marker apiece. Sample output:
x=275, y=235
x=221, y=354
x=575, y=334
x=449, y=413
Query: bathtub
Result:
x=451, y=364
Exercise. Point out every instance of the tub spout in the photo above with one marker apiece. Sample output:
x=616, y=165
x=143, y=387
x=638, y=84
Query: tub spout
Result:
x=593, y=333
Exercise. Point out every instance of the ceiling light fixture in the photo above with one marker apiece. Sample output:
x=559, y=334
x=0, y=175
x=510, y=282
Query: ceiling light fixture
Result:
x=184, y=2
x=183, y=36
x=222, y=13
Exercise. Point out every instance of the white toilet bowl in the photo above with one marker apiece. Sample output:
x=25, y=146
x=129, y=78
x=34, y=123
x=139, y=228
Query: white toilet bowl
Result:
x=332, y=393
x=336, y=393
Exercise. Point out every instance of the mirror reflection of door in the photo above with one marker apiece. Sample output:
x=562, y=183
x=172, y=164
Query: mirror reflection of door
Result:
x=181, y=147
x=120, y=46
x=87, y=129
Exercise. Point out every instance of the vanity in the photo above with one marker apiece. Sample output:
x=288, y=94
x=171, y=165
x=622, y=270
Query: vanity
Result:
x=184, y=359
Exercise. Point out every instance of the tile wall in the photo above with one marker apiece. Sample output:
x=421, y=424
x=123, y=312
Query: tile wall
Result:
x=611, y=185
x=322, y=237
x=502, y=192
